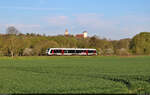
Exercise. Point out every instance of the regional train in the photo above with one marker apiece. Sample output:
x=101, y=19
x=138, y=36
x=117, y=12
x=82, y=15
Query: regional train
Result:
x=70, y=52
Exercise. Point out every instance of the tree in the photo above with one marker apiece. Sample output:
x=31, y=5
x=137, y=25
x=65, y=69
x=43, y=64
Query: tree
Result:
x=140, y=43
x=124, y=43
x=12, y=30
x=122, y=52
x=12, y=40
x=120, y=45
x=28, y=52
x=41, y=47
x=108, y=51
x=95, y=42
x=9, y=45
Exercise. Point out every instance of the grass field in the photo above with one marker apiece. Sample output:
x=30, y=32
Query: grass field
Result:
x=75, y=74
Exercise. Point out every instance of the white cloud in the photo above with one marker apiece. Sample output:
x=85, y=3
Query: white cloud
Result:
x=94, y=21
x=23, y=25
x=24, y=28
x=59, y=21
x=95, y=24
x=114, y=28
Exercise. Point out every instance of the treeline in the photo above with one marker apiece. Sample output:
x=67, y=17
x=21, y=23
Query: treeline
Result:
x=16, y=44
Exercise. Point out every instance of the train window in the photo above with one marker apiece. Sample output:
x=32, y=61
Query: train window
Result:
x=51, y=51
x=65, y=51
x=56, y=51
x=81, y=51
x=71, y=51
x=78, y=51
x=90, y=51
x=59, y=51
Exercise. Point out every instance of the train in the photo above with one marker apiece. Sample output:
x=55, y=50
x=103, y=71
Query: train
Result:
x=71, y=52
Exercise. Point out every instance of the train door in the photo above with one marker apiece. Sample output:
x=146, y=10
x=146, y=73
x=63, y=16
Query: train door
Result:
x=95, y=53
x=62, y=52
x=87, y=52
x=52, y=52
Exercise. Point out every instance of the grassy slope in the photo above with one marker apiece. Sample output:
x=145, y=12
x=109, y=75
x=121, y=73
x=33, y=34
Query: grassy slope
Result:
x=74, y=75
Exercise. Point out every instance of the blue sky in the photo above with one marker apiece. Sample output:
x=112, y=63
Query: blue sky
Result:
x=112, y=19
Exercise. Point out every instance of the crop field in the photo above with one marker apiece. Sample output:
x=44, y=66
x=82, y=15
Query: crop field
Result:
x=75, y=74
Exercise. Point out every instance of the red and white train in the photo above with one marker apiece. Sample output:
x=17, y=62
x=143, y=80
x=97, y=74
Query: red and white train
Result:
x=70, y=51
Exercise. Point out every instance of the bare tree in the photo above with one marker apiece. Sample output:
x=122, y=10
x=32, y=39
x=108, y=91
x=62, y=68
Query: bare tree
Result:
x=12, y=30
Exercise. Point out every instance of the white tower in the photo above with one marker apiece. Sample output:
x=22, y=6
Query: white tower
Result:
x=66, y=32
x=85, y=33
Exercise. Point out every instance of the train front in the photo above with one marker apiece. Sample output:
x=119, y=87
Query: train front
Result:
x=48, y=51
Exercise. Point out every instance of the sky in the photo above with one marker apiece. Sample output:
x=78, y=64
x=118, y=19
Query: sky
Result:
x=111, y=19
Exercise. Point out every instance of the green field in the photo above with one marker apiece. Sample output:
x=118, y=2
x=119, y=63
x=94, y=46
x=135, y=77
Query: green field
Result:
x=75, y=74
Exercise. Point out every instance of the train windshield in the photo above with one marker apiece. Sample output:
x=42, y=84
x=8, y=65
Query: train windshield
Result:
x=48, y=49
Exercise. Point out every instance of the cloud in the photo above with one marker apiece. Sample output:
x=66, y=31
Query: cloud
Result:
x=96, y=24
x=95, y=21
x=59, y=21
x=78, y=20
x=113, y=27
x=23, y=25
x=24, y=28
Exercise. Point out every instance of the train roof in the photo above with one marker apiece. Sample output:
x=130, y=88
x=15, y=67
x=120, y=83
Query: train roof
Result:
x=74, y=48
